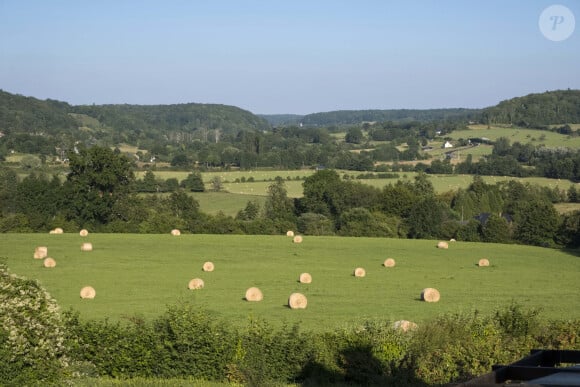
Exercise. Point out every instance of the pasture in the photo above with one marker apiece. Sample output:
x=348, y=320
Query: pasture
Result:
x=536, y=137
x=139, y=275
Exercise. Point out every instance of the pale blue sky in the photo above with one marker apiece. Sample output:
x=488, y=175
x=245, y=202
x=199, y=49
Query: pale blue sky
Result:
x=291, y=56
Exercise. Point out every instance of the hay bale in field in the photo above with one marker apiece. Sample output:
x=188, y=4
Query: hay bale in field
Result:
x=359, y=272
x=404, y=325
x=196, y=283
x=430, y=295
x=442, y=245
x=297, y=301
x=58, y=230
x=84, y=232
x=452, y=240
x=305, y=278
x=51, y=232
x=297, y=239
x=208, y=266
x=290, y=233
x=87, y=246
x=175, y=232
x=49, y=263
x=88, y=292
x=254, y=294
x=389, y=262
x=483, y=262
x=40, y=252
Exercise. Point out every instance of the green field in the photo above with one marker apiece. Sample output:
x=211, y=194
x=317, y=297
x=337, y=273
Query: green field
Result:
x=536, y=137
x=236, y=195
x=227, y=203
x=141, y=274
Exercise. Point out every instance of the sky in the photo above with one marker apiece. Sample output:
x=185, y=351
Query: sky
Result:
x=287, y=56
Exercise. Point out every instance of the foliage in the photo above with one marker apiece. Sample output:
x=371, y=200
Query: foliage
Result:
x=349, y=117
x=537, y=223
x=536, y=110
x=98, y=179
x=194, y=182
x=32, y=335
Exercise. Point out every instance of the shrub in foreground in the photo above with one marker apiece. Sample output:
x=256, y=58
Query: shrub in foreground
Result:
x=32, y=341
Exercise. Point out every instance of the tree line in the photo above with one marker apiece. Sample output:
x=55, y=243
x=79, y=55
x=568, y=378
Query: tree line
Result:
x=100, y=193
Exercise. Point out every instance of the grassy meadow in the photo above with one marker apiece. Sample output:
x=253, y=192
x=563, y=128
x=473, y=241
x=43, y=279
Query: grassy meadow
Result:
x=536, y=137
x=139, y=275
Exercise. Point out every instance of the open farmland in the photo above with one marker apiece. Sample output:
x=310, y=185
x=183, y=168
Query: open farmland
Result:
x=141, y=274
x=522, y=135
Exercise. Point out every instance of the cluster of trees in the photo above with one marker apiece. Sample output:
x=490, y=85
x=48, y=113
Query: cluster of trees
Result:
x=100, y=193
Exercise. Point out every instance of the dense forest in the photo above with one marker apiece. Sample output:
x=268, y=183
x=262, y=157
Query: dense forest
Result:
x=353, y=117
x=536, y=110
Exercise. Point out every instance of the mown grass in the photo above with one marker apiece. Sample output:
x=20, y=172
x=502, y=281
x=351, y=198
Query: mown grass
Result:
x=139, y=275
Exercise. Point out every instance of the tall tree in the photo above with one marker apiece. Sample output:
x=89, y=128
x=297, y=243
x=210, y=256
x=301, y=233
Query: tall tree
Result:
x=278, y=206
x=536, y=223
x=98, y=179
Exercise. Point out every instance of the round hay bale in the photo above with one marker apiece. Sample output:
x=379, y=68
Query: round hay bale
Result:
x=430, y=295
x=196, y=283
x=87, y=247
x=359, y=272
x=305, y=278
x=49, y=262
x=297, y=301
x=297, y=239
x=442, y=245
x=88, y=292
x=40, y=252
x=84, y=232
x=389, y=262
x=404, y=325
x=51, y=232
x=483, y=262
x=290, y=233
x=208, y=266
x=254, y=294
x=58, y=230
x=452, y=240
x=175, y=232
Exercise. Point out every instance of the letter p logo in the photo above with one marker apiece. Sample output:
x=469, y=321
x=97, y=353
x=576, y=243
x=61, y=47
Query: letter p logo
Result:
x=557, y=23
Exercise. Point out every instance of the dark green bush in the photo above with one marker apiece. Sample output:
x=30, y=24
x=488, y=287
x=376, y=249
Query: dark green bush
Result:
x=269, y=355
x=192, y=342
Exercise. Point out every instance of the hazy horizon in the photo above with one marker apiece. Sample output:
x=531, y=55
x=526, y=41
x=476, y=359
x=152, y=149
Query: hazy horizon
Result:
x=295, y=57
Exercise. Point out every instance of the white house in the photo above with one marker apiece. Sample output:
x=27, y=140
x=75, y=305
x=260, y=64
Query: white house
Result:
x=447, y=145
